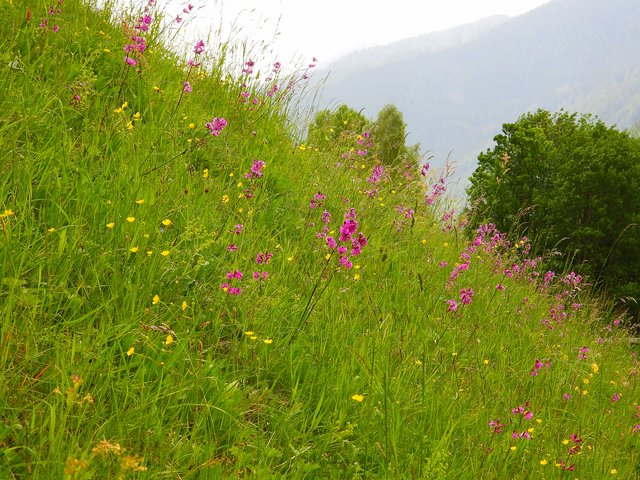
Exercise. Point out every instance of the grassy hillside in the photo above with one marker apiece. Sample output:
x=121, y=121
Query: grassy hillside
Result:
x=187, y=297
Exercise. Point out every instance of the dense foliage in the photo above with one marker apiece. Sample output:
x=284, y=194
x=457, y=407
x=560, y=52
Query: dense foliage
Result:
x=388, y=130
x=572, y=183
x=188, y=292
x=329, y=127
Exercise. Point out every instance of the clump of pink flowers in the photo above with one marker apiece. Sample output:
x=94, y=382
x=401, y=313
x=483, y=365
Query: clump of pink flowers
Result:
x=496, y=426
x=226, y=286
x=263, y=258
x=583, y=353
x=351, y=241
x=316, y=200
x=216, y=125
x=138, y=44
x=256, y=169
x=466, y=295
x=539, y=364
x=522, y=410
x=52, y=11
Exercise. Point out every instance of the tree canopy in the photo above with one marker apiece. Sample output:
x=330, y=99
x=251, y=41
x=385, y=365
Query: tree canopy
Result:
x=388, y=132
x=329, y=126
x=574, y=184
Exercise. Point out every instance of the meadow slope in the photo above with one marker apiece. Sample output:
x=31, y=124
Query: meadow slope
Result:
x=189, y=291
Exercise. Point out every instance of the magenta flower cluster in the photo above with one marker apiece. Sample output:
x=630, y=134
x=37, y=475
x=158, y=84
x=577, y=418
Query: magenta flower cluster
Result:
x=437, y=190
x=186, y=10
x=522, y=410
x=52, y=11
x=226, y=286
x=216, y=125
x=317, y=200
x=138, y=43
x=348, y=238
x=539, y=364
x=263, y=258
x=256, y=169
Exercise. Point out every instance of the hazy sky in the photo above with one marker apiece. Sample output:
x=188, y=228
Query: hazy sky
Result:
x=328, y=29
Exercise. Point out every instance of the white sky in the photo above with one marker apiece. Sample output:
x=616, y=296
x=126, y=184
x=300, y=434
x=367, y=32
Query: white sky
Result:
x=327, y=29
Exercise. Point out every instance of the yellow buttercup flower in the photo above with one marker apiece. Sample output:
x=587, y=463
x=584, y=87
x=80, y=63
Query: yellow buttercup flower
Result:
x=131, y=219
x=133, y=249
x=169, y=340
x=156, y=299
x=358, y=398
x=164, y=253
x=110, y=225
x=131, y=351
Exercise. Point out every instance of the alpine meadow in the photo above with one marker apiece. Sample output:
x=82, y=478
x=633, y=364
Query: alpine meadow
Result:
x=192, y=288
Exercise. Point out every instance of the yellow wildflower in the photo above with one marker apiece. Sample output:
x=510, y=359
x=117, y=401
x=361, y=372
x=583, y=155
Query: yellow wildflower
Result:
x=133, y=249
x=140, y=202
x=110, y=225
x=268, y=341
x=169, y=340
x=131, y=219
x=166, y=222
x=164, y=253
x=131, y=351
x=205, y=173
x=156, y=299
x=185, y=305
x=358, y=398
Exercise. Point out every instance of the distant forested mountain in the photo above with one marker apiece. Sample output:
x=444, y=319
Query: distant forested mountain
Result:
x=456, y=88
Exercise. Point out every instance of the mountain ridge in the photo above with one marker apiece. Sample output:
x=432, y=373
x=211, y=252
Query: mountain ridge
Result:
x=565, y=54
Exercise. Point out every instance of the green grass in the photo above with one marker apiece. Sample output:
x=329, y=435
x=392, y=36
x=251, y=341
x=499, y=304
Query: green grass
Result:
x=115, y=363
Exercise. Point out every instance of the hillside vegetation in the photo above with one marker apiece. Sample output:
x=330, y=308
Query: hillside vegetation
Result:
x=186, y=291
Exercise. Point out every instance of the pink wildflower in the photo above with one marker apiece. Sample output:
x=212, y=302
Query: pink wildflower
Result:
x=216, y=125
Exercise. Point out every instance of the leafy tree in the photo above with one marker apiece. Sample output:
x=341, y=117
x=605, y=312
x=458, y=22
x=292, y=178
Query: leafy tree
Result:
x=329, y=127
x=389, y=135
x=572, y=182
